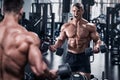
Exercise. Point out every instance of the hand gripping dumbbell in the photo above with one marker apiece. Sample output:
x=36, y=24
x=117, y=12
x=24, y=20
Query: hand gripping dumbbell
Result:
x=64, y=72
x=45, y=46
x=89, y=51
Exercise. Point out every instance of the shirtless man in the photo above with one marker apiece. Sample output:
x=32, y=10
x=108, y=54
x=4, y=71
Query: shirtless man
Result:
x=18, y=46
x=78, y=32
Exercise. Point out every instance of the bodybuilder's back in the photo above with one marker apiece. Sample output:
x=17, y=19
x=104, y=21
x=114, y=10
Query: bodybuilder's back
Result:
x=13, y=52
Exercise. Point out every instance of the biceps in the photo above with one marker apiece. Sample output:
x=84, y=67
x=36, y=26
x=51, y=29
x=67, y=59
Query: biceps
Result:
x=95, y=36
x=62, y=36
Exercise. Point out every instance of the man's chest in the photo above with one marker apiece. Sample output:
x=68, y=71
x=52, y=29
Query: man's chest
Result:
x=80, y=31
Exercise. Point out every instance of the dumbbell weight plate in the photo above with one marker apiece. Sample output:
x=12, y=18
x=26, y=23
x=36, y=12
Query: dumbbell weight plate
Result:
x=103, y=48
x=59, y=51
x=64, y=71
x=88, y=51
x=78, y=76
x=44, y=47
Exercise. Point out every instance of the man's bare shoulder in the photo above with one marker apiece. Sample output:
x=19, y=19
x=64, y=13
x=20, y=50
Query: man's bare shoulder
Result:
x=28, y=36
x=91, y=26
x=33, y=38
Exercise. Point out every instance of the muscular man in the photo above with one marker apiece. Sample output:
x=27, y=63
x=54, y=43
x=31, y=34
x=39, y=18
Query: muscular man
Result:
x=78, y=32
x=18, y=46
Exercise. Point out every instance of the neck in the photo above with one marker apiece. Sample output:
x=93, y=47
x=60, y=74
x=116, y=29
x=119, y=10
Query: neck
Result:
x=78, y=20
x=11, y=17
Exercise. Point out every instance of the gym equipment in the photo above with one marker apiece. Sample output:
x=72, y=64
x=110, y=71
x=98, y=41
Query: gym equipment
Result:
x=89, y=51
x=112, y=36
x=103, y=48
x=45, y=46
x=78, y=76
x=43, y=17
x=29, y=76
x=64, y=71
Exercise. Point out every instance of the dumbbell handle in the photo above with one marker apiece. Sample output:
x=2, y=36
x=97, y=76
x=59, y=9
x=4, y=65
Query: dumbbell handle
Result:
x=46, y=45
x=89, y=51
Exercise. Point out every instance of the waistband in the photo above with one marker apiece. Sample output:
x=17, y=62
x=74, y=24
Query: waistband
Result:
x=82, y=53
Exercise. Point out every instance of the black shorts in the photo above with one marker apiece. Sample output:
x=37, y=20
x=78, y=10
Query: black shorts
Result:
x=78, y=62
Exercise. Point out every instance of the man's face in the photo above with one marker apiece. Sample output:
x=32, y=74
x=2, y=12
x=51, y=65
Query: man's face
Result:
x=77, y=13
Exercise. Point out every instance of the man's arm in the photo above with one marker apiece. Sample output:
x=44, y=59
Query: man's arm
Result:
x=60, y=39
x=36, y=62
x=96, y=38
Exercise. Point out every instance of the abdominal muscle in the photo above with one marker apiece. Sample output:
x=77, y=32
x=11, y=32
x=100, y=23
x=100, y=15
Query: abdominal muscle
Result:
x=77, y=46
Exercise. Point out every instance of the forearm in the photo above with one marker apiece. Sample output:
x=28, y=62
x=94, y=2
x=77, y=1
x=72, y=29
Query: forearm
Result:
x=98, y=43
x=45, y=73
x=58, y=43
x=48, y=74
x=51, y=75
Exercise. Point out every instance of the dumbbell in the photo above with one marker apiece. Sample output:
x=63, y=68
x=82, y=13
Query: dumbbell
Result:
x=103, y=48
x=64, y=71
x=78, y=76
x=89, y=51
x=45, y=46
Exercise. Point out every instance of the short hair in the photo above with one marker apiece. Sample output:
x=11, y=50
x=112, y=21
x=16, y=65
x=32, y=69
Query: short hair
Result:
x=12, y=5
x=78, y=5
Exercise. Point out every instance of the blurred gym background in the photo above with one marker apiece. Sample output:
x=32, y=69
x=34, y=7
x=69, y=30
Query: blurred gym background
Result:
x=45, y=18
